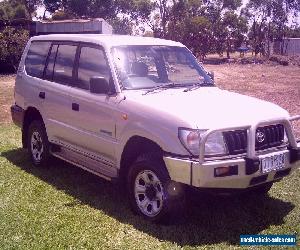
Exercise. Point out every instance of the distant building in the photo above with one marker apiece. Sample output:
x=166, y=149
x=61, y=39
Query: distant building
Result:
x=74, y=26
x=288, y=47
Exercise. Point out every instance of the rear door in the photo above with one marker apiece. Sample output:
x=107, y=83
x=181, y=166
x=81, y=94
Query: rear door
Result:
x=58, y=76
x=29, y=87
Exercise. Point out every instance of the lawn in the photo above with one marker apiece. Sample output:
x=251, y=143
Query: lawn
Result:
x=63, y=207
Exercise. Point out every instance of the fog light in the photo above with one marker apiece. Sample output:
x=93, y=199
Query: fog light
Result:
x=226, y=171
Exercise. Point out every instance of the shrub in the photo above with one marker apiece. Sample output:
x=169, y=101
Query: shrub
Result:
x=12, y=42
x=280, y=60
x=273, y=59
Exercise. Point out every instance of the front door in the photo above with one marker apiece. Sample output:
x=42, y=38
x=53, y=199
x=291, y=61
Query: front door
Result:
x=93, y=114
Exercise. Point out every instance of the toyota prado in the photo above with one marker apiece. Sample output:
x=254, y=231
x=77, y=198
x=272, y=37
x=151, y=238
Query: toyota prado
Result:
x=144, y=111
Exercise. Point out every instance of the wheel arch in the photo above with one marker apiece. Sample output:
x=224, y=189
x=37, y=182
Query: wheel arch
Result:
x=31, y=114
x=134, y=147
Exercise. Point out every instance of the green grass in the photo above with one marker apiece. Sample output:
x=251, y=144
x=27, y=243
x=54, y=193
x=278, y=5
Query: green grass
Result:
x=64, y=207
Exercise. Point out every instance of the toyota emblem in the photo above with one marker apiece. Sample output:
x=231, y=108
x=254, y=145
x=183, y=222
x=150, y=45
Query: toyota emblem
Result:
x=260, y=136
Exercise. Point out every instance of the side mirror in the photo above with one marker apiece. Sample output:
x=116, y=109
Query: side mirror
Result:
x=99, y=85
x=211, y=74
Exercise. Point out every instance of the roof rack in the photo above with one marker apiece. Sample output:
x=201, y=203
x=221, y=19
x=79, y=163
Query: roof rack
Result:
x=73, y=26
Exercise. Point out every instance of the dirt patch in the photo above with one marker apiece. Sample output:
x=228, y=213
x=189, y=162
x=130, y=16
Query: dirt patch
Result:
x=248, y=58
x=6, y=97
x=277, y=84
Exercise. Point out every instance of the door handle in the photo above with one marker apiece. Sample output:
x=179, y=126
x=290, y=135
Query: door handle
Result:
x=75, y=106
x=42, y=95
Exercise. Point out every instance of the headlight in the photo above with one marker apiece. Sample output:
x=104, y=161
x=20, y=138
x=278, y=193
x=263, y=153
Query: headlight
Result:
x=190, y=139
x=215, y=145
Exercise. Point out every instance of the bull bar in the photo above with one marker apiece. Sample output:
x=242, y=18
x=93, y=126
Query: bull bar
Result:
x=251, y=133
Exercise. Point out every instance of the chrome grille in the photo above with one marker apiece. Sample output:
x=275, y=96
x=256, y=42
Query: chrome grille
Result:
x=274, y=136
x=266, y=137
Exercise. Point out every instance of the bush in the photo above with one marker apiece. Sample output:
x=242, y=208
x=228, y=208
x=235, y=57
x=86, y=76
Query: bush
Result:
x=280, y=60
x=12, y=43
x=274, y=59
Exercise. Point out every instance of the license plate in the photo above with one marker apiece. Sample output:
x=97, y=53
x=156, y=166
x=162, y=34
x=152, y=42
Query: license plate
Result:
x=273, y=162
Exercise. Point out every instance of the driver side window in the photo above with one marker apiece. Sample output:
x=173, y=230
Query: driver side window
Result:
x=92, y=63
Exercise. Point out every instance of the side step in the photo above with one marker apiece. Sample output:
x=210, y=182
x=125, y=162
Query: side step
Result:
x=85, y=162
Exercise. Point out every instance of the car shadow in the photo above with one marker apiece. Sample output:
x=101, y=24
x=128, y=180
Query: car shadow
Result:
x=206, y=220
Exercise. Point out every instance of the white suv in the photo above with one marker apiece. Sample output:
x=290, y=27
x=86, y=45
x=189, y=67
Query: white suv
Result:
x=142, y=110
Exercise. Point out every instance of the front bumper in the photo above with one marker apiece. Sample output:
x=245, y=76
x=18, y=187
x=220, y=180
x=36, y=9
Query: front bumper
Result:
x=246, y=171
x=203, y=175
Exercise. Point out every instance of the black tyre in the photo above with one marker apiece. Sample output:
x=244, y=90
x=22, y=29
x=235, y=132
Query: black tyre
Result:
x=38, y=144
x=264, y=188
x=152, y=194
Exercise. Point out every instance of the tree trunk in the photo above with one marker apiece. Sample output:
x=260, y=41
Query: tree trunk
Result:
x=44, y=15
x=228, y=50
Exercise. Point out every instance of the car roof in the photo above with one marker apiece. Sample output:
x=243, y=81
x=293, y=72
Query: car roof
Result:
x=107, y=40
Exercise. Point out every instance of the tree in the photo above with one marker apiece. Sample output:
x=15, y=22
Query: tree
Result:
x=14, y=19
x=61, y=15
x=122, y=26
x=228, y=27
x=83, y=8
x=199, y=37
x=12, y=10
x=52, y=5
x=189, y=25
x=31, y=5
x=234, y=27
x=12, y=43
x=269, y=20
x=107, y=9
x=208, y=26
x=293, y=32
x=138, y=13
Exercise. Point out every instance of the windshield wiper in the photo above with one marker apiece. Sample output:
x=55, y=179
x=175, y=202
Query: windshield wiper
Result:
x=162, y=86
x=198, y=85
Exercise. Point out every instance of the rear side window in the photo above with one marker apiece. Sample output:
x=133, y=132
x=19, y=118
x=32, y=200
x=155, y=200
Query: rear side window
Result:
x=63, y=67
x=36, y=58
x=92, y=62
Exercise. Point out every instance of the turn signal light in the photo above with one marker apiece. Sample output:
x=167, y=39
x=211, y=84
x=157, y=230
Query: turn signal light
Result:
x=226, y=171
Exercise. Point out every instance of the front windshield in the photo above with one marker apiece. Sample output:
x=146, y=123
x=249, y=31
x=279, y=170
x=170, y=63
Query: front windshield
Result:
x=148, y=66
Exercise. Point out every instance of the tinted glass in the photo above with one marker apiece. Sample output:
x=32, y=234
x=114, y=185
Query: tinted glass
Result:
x=36, y=58
x=50, y=66
x=147, y=66
x=64, y=64
x=92, y=63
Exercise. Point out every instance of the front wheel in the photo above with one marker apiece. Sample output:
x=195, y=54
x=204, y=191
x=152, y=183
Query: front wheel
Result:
x=263, y=189
x=151, y=192
x=260, y=190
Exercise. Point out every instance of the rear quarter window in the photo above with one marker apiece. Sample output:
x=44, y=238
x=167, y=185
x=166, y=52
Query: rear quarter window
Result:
x=36, y=58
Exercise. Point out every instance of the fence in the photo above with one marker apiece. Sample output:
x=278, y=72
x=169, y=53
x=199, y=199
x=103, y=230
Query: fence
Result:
x=288, y=47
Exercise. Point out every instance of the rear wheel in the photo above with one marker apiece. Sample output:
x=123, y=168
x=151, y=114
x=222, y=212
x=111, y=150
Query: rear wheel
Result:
x=38, y=144
x=151, y=192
